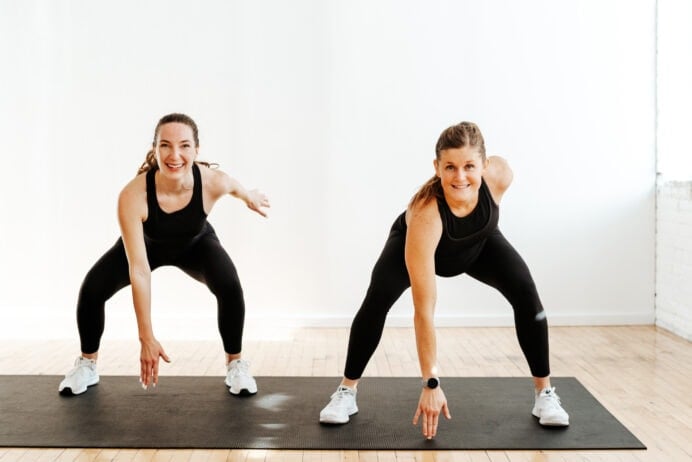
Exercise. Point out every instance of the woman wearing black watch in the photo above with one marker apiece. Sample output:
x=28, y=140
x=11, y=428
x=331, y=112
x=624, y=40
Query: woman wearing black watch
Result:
x=449, y=228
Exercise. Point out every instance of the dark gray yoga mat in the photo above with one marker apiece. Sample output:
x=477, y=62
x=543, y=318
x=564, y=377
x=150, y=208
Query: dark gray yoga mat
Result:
x=198, y=412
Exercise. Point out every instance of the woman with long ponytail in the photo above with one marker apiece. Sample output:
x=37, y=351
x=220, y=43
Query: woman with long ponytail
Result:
x=449, y=228
x=162, y=214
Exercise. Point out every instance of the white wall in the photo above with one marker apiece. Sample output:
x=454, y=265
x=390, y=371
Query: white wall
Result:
x=333, y=109
x=674, y=192
x=674, y=258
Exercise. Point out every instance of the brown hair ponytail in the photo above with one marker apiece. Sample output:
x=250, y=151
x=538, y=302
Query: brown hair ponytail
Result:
x=149, y=162
x=432, y=189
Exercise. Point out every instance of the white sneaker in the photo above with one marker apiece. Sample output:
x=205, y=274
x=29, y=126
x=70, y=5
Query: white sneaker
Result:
x=341, y=407
x=239, y=379
x=548, y=410
x=82, y=376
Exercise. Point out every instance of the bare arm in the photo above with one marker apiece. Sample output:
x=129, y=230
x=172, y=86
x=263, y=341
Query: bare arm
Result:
x=219, y=184
x=498, y=175
x=131, y=214
x=423, y=234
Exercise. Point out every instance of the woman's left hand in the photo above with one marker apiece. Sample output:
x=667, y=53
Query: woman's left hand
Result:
x=256, y=200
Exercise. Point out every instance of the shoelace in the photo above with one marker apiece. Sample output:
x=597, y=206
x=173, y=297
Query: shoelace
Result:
x=240, y=368
x=340, y=396
x=553, y=400
x=79, y=366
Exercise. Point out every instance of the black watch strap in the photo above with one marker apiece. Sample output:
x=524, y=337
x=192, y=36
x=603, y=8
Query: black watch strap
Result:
x=432, y=382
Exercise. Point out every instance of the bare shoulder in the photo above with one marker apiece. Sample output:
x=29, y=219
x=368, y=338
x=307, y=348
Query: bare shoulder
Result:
x=423, y=214
x=498, y=175
x=132, y=201
x=135, y=188
x=423, y=233
x=215, y=182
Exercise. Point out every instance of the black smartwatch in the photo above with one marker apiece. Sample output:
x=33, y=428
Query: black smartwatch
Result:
x=432, y=383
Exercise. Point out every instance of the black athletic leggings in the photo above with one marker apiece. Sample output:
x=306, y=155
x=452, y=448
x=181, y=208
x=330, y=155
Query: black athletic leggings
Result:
x=203, y=258
x=498, y=264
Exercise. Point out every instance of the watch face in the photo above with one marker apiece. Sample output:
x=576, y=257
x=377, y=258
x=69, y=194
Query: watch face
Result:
x=433, y=382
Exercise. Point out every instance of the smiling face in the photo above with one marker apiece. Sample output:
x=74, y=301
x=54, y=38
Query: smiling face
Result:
x=460, y=171
x=175, y=149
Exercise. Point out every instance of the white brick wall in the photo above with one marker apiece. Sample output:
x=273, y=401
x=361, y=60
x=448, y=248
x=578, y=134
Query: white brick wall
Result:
x=674, y=257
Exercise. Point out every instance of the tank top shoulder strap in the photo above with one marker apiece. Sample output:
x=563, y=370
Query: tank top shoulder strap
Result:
x=197, y=197
x=443, y=208
x=485, y=190
x=152, y=203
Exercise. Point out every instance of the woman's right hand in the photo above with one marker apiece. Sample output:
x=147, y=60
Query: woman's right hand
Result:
x=431, y=404
x=149, y=362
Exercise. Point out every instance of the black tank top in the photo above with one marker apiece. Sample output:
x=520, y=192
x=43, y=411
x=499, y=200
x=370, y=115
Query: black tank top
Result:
x=180, y=226
x=460, y=228
x=463, y=237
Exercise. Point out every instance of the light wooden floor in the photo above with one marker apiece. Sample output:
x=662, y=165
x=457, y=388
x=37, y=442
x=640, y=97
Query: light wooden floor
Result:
x=643, y=375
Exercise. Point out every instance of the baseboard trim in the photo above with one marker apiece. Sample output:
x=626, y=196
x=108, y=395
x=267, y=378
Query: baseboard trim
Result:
x=120, y=326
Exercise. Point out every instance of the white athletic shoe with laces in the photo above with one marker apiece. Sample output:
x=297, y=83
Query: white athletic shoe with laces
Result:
x=82, y=376
x=548, y=409
x=239, y=379
x=341, y=407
